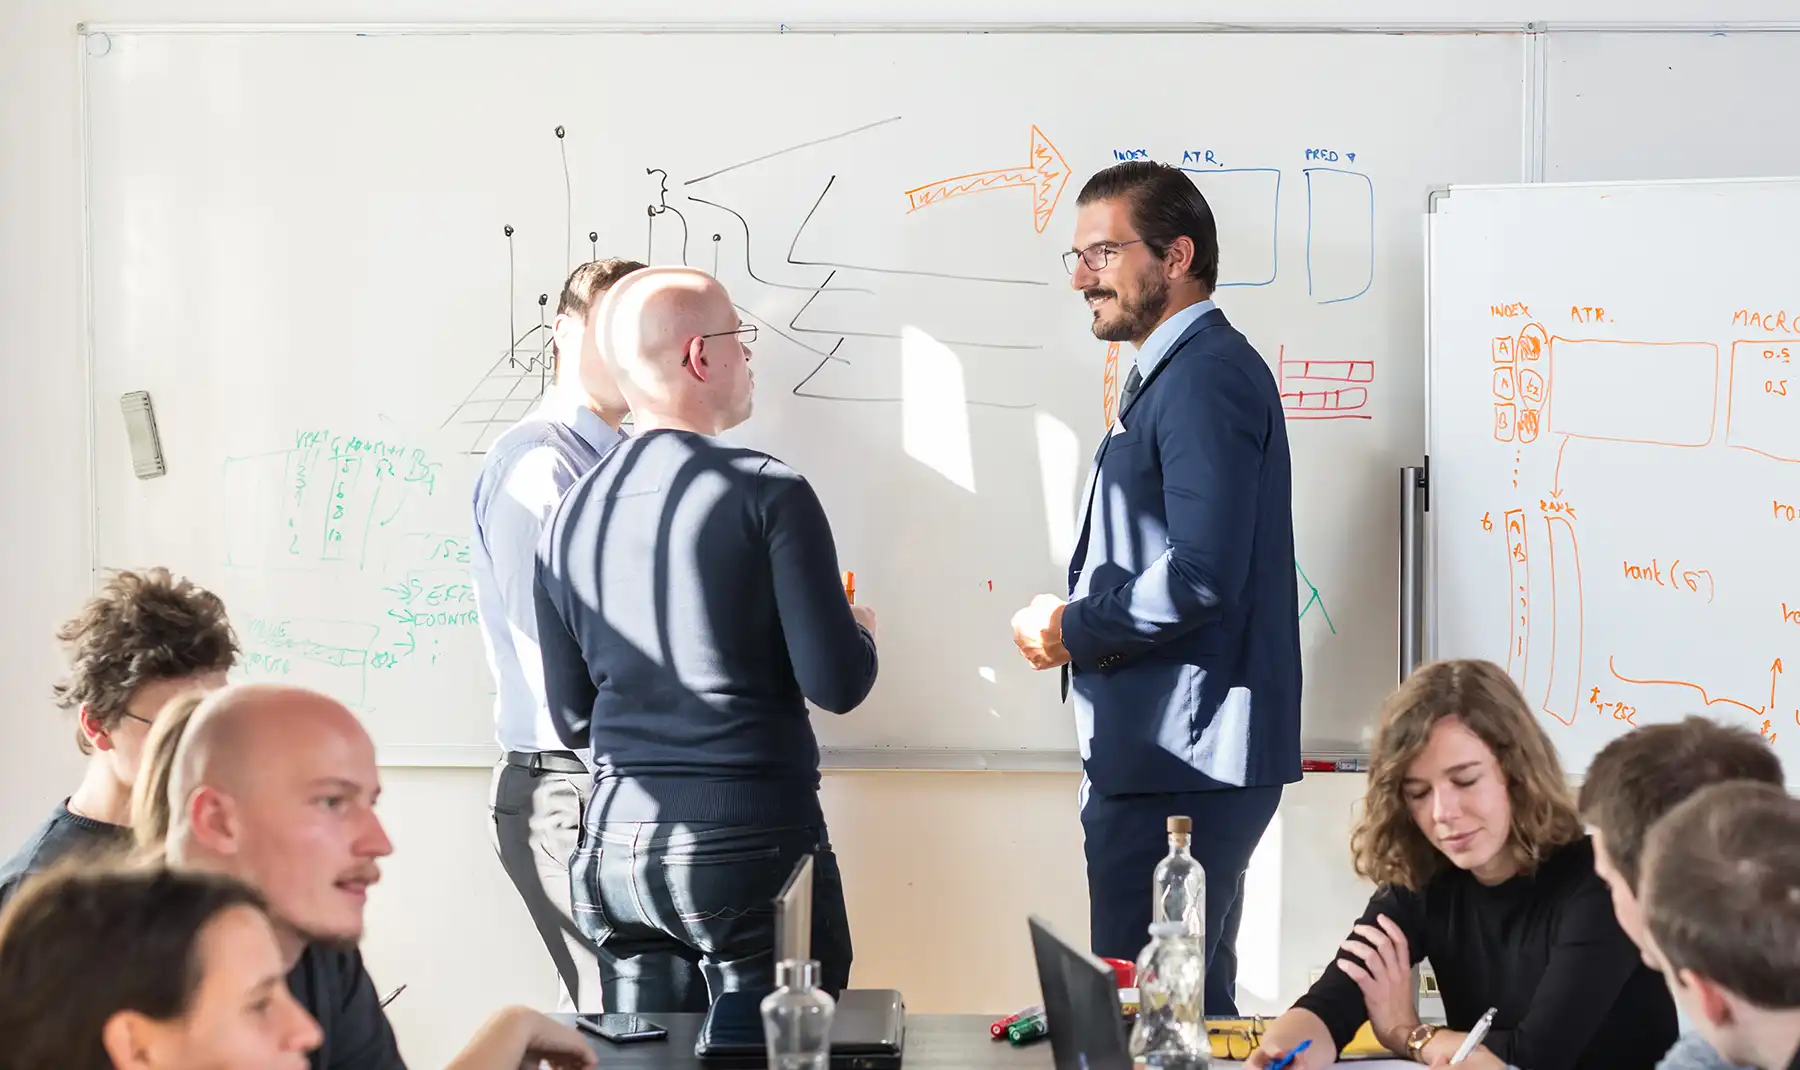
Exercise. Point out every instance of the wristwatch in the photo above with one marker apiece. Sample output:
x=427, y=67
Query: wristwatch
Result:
x=1417, y=1039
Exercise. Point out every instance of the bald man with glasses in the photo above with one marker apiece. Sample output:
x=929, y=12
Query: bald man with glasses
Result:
x=689, y=606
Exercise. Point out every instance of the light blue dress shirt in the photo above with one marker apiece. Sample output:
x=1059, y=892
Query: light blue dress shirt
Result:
x=525, y=474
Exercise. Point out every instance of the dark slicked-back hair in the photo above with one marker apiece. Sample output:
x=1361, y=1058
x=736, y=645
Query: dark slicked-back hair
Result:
x=1165, y=205
x=586, y=284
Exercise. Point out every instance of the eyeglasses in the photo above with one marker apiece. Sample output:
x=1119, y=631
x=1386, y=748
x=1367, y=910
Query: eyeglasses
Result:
x=134, y=717
x=746, y=331
x=1097, y=255
x=1235, y=1039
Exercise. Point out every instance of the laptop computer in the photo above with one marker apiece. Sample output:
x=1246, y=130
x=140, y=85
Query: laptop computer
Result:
x=868, y=1029
x=1081, y=1003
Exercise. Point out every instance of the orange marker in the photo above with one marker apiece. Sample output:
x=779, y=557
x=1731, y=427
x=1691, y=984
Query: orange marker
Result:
x=850, y=587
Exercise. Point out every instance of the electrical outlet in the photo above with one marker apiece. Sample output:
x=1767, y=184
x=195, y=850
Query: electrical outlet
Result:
x=1428, y=986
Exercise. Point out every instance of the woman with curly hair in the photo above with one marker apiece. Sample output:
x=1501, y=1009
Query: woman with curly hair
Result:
x=1470, y=834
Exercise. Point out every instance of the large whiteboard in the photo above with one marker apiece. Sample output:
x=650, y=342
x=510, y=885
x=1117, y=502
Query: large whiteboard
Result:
x=322, y=254
x=1615, y=451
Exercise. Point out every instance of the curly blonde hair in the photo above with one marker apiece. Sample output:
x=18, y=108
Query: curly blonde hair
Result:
x=1387, y=846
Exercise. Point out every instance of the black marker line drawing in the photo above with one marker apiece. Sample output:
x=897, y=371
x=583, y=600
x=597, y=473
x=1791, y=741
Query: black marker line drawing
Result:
x=562, y=146
x=884, y=271
x=527, y=364
x=826, y=357
x=748, y=266
x=518, y=379
x=791, y=148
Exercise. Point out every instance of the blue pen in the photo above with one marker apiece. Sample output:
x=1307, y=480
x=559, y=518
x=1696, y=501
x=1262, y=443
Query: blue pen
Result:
x=1292, y=1055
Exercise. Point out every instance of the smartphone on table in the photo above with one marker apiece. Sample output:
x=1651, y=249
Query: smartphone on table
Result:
x=621, y=1028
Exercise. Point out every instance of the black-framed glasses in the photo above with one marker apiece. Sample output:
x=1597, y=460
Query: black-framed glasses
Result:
x=1097, y=255
x=745, y=331
x=129, y=716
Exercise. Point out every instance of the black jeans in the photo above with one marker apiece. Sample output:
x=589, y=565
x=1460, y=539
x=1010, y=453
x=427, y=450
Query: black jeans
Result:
x=683, y=912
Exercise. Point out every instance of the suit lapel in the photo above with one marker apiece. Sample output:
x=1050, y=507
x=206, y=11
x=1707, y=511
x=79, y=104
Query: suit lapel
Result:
x=1215, y=318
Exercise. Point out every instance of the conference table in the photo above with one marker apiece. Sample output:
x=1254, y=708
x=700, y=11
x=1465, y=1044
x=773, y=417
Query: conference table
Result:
x=933, y=1042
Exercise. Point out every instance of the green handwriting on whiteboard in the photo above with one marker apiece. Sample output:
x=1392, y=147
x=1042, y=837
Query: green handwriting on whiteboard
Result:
x=330, y=499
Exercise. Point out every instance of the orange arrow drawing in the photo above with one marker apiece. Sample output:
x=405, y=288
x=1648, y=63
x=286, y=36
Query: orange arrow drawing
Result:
x=1109, y=387
x=1046, y=173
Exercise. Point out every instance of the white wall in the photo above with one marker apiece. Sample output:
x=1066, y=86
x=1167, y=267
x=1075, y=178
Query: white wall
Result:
x=940, y=867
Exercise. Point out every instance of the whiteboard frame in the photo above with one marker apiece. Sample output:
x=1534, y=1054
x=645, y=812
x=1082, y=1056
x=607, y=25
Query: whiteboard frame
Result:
x=1547, y=28
x=1536, y=37
x=885, y=759
x=759, y=26
x=1448, y=193
x=831, y=759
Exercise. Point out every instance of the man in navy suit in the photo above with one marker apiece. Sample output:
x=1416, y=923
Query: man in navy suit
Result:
x=1180, y=638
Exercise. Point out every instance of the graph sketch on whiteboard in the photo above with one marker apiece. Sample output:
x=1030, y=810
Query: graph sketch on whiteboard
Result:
x=515, y=382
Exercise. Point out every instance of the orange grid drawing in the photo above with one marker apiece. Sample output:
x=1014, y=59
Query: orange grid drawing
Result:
x=1332, y=402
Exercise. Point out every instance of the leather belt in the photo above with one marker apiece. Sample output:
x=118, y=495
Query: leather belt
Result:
x=546, y=761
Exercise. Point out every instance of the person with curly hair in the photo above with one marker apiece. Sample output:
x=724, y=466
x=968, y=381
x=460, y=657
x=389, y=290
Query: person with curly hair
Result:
x=144, y=639
x=1470, y=833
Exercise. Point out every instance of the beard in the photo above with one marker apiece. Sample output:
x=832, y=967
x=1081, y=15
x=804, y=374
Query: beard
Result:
x=1134, y=319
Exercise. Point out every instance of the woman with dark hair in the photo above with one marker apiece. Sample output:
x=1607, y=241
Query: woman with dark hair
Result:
x=145, y=969
x=1470, y=833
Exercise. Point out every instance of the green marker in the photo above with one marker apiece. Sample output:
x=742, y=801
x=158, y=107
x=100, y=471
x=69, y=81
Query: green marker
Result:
x=1030, y=1027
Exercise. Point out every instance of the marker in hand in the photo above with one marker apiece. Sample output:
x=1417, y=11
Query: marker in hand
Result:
x=1291, y=1056
x=850, y=587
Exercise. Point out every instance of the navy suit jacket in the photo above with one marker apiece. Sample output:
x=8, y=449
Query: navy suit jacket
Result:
x=1185, y=650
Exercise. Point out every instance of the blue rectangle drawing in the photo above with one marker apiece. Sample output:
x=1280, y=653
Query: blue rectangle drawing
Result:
x=1340, y=234
x=1246, y=202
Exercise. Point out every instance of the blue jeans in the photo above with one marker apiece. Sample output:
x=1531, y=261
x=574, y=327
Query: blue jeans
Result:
x=684, y=912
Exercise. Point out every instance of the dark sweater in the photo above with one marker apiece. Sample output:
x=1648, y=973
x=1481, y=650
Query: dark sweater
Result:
x=689, y=604
x=1544, y=948
x=63, y=835
x=334, y=987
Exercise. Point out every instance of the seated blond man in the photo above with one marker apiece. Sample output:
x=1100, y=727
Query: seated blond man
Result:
x=277, y=786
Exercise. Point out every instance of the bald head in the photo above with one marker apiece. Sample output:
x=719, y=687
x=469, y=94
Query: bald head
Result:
x=678, y=350
x=275, y=785
x=237, y=735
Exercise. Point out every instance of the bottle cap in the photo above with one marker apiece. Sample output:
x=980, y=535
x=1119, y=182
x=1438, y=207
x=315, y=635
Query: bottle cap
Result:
x=1181, y=824
x=797, y=973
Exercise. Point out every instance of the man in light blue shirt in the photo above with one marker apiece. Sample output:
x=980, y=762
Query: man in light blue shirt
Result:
x=540, y=787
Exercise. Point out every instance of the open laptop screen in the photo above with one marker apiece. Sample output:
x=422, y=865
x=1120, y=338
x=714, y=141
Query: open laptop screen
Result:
x=793, y=914
x=1081, y=1003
